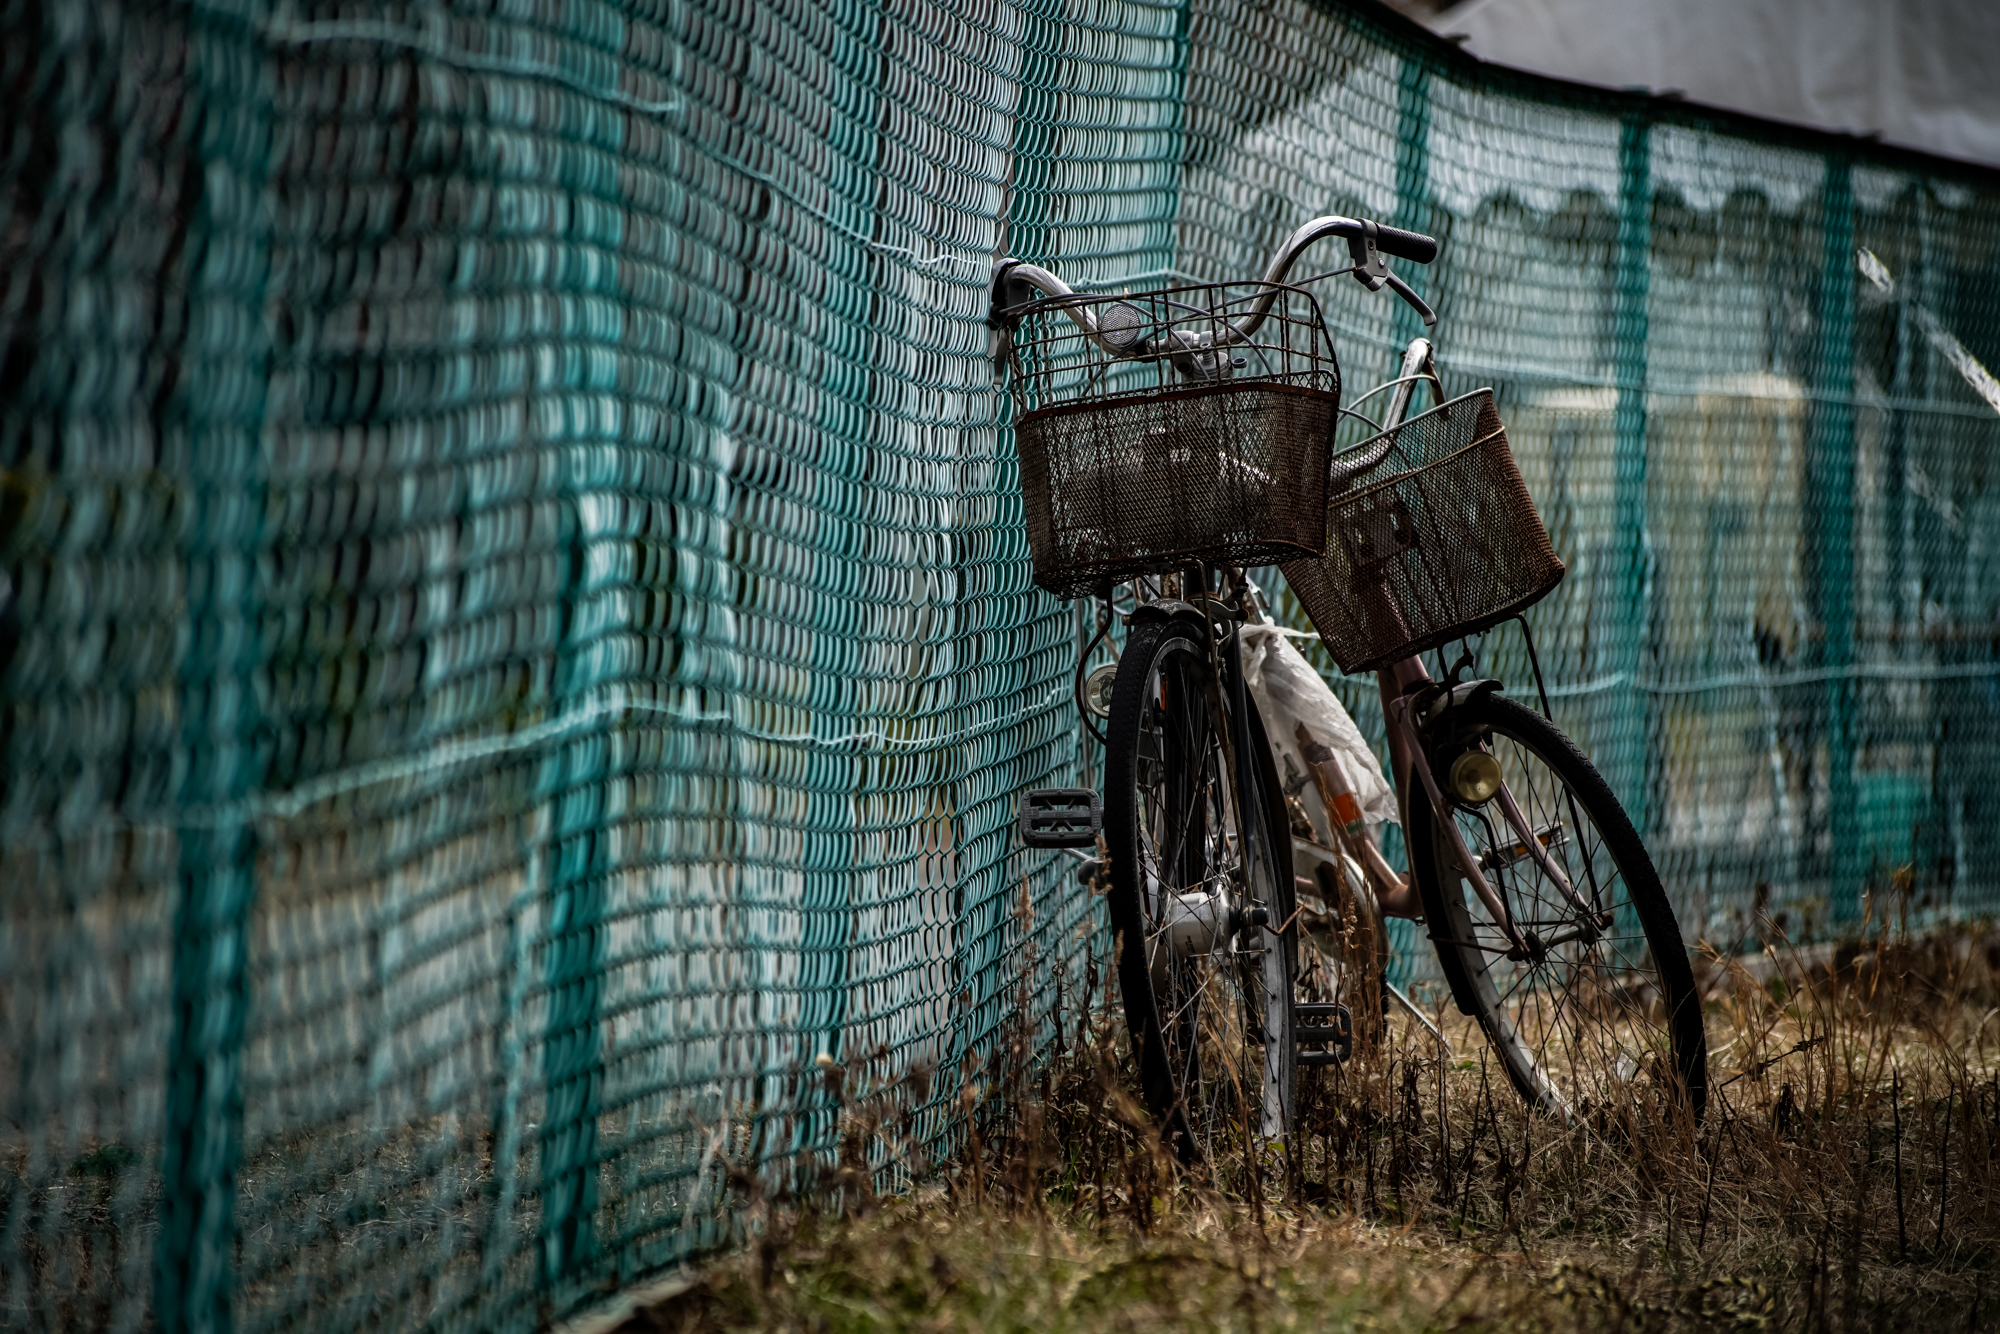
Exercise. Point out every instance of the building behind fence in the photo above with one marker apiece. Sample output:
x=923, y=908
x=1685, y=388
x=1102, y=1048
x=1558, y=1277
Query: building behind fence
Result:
x=517, y=636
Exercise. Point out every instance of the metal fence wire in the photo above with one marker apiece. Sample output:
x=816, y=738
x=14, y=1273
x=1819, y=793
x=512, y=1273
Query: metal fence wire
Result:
x=517, y=634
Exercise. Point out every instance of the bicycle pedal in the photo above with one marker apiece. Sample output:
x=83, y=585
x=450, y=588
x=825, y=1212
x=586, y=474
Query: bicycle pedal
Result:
x=1061, y=817
x=1333, y=1036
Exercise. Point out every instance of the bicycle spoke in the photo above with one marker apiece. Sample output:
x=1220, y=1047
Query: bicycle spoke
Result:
x=1581, y=1005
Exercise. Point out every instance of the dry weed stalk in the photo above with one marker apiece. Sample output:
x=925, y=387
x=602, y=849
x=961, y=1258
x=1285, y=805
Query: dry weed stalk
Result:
x=1844, y=1176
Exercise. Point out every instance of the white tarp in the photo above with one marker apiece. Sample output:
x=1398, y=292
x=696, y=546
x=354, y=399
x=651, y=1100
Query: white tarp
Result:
x=1920, y=73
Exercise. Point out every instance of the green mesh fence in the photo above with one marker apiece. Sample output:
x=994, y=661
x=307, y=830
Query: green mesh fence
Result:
x=517, y=635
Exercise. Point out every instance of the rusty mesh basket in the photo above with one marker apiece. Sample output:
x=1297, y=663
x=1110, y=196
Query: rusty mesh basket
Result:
x=1430, y=536
x=1189, y=446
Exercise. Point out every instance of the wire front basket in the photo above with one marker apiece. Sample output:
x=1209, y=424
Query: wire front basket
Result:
x=1153, y=434
x=1430, y=536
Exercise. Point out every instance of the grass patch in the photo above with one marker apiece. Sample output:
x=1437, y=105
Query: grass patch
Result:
x=1844, y=1178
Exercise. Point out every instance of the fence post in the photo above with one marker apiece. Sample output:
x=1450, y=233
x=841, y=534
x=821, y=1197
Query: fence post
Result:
x=1413, y=212
x=1626, y=755
x=1413, y=191
x=1830, y=540
x=833, y=876
x=213, y=425
x=572, y=1054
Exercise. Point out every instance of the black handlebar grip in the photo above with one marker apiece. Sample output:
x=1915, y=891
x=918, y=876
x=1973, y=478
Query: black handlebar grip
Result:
x=1405, y=245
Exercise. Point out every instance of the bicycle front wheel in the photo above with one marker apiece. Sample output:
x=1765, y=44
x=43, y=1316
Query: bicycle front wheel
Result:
x=1600, y=1008
x=1207, y=990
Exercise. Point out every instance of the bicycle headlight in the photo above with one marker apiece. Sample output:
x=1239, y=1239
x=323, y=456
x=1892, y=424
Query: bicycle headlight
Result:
x=1475, y=777
x=1097, y=689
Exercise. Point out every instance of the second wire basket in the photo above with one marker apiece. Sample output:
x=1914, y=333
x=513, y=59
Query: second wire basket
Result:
x=1430, y=536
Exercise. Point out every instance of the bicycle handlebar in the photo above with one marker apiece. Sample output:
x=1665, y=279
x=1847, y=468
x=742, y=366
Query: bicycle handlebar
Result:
x=1366, y=243
x=1361, y=235
x=1413, y=246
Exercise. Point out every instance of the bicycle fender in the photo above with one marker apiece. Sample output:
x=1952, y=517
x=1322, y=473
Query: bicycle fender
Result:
x=1466, y=692
x=1166, y=609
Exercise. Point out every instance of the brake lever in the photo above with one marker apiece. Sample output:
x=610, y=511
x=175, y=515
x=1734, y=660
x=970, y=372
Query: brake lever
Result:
x=1370, y=269
x=1402, y=289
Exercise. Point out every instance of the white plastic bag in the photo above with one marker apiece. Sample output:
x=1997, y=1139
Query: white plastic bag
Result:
x=1289, y=692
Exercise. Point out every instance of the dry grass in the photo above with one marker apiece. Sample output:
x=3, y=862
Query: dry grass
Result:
x=1844, y=1178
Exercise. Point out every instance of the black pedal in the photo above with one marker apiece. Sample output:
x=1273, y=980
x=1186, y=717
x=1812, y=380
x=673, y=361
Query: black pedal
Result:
x=1061, y=817
x=1328, y=1028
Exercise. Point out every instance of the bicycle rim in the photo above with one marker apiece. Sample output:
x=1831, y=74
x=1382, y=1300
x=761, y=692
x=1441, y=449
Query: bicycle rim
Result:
x=1601, y=1012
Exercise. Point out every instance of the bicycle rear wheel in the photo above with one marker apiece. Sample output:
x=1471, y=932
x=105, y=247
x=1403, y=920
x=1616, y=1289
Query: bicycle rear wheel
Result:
x=1207, y=991
x=1602, y=1008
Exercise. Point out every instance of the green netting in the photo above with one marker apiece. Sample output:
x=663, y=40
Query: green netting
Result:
x=517, y=633
x=1745, y=375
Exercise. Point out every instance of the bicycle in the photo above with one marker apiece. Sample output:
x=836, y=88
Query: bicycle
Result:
x=1169, y=441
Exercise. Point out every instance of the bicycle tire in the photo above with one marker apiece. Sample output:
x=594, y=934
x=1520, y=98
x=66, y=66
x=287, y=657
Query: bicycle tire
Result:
x=1574, y=1028
x=1201, y=1016
x=1282, y=907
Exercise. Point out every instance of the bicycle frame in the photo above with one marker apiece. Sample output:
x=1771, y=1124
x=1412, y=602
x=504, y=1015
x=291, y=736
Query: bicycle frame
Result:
x=1400, y=685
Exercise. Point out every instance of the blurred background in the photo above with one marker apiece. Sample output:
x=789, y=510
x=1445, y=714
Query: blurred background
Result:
x=515, y=625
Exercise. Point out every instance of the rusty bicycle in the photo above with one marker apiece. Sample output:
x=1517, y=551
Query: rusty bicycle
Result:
x=1173, y=439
